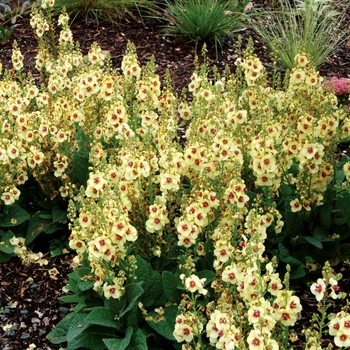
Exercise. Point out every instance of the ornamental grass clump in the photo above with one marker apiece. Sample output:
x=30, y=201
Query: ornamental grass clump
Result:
x=114, y=11
x=314, y=26
x=179, y=245
x=205, y=20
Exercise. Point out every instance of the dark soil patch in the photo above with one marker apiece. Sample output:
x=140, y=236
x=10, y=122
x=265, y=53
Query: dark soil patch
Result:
x=29, y=302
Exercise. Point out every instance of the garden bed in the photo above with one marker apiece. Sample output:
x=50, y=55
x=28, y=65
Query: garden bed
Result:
x=34, y=291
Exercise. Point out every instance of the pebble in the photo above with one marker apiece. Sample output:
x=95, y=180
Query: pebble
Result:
x=25, y=336
x=41, y=332
x=46, y=321
x=35, y=320
x=24, y=312
x=64, y=310
x=34, y=285
x=6, y=311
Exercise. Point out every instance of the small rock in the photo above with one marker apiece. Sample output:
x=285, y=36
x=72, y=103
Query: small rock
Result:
x=14, y=305
x=35, y=320
x=40, y=314
x=41, y=332
x=25, y=336
x=46, y=321
x=24, y=312
x=34, y=285
x=64, y=310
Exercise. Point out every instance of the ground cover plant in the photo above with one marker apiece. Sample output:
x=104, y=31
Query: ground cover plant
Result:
x=193, y=244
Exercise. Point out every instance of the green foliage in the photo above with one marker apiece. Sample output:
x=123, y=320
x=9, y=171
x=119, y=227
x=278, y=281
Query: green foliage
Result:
x=287, y=30
x=9, y=13
x=309, y=239
x=80, y=159
x=112, y=11
x=205, y=20
x=31, y=217
x=100, y=323
x=5, y=33
x=6, y=248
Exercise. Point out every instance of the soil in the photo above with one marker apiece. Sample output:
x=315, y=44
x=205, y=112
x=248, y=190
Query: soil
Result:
x=28, y=294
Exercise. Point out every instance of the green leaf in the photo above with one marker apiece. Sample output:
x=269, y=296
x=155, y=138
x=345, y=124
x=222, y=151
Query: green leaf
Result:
x=297, y=272
x=344, y=251
x=208, y=275
x=6, y=246
x=343, y=204
x=133, y=317
x=103, y=317
x=155, y=292
x=14, y=215
x=331, y=248
x=80, y=167
x=133, y=293
x=298, y=269
x=321, y=234
x=70, y=299
x=45, y=216
x=56, y=247
x=313, y=241
x=80, y=161
x=138, y=341
x=77, y=326
x=286, y=258
x=170, y=284
x=151, y=282
x=59, y=334
x=84, y=282
x=339, y=217
x=91, y=338
x=58, y=215
x=119, y=344
x=340, y=176
x=45, y=204
x=294, y=221
x=164, y=327
x=36, y=225
x=325, y=216
x=143, y=272
x=285, y=190
x=53, y=227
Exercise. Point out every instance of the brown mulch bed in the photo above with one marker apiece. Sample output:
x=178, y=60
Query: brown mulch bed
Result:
x=28, y=295
x=29, y=301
